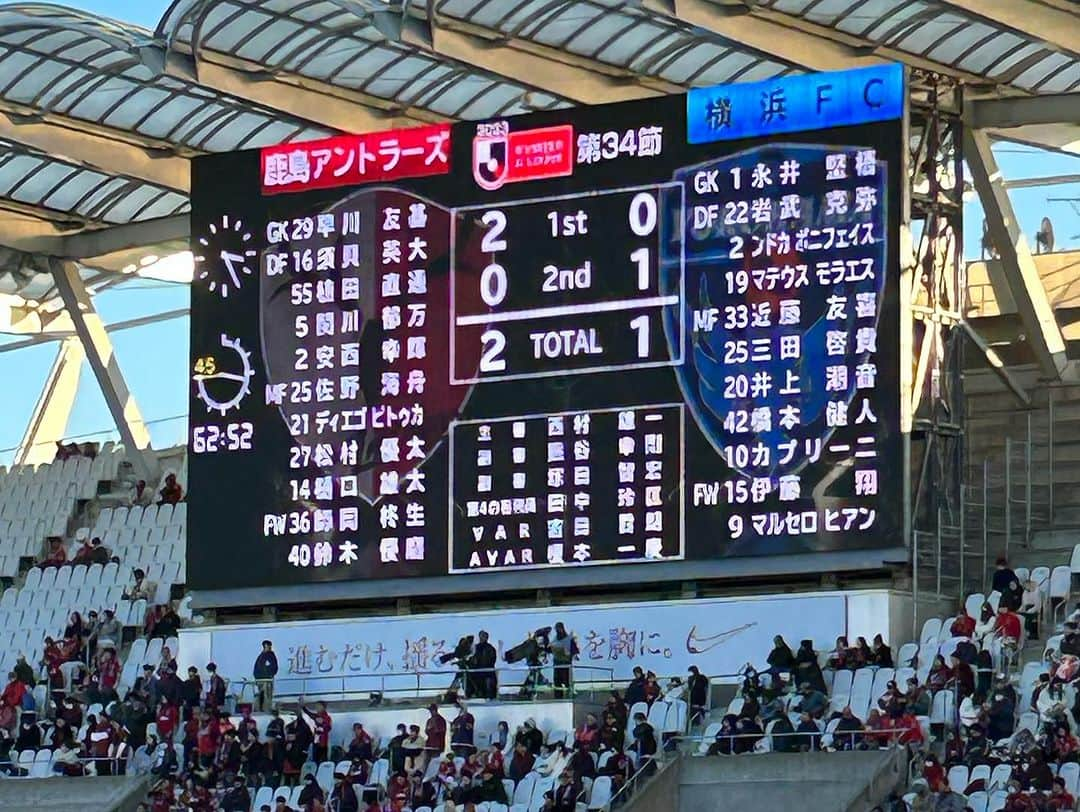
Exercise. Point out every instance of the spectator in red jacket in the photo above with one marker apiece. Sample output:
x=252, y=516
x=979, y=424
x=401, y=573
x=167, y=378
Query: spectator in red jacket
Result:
x=322, y=725
x=168, y=716
x=435, y=732
x=588, y=735
x=1060, y=797
x=1007, y=626
x=207, y=738
x=57, y=555
x=963, y=626
x=14, y=692
x=171, y=493
x=109, y=671
x=99, y=738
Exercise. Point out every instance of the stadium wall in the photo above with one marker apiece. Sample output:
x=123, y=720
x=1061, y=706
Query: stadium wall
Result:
x=720, y=635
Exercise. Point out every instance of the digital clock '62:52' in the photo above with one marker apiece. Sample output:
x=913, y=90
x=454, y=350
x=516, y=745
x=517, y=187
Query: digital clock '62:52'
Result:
x=230, y=437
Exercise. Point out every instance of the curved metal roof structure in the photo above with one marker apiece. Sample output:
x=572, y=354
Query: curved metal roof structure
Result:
x=98, y=118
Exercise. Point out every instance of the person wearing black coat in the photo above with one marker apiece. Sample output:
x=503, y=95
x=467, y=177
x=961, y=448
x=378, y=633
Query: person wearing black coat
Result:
x=784, y=740
x=236, y=798
x=780, y=659
x=809, y=733
x=483, y=680
x=697, y=687
x=635, y=691
x=807, y=668
x=264, y=671
x=191, y=692
x=530, y=736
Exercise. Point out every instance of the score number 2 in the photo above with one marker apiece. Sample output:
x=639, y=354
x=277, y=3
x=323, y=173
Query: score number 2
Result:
x=643, y=216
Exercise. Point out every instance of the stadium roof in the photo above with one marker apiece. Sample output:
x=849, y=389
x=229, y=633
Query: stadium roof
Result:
x=99, y=118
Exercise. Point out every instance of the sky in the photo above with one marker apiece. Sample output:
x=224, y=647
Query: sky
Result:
x=154, y=359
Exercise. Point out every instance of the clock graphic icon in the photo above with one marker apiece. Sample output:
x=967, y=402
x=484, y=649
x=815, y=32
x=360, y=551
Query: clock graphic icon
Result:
x=224, y=381
x=225, y=257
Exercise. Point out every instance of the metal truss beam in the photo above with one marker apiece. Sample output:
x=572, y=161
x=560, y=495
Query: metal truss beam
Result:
x=738, y=24
x=1042, y=22
x=99, y=352
x=69, y=139
x=49, y=420
x=1055, y=137
x=1019, y=111
x=31, y=231
x=63, y=334
x=556, y=72
x=1021, y=276
x=299, y=96
x=857, y=44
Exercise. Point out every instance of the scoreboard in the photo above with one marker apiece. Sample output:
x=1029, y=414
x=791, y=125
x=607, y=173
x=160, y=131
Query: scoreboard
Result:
x=659, y=334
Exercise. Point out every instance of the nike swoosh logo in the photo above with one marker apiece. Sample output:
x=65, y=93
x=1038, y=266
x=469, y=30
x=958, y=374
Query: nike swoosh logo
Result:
x=710, y=642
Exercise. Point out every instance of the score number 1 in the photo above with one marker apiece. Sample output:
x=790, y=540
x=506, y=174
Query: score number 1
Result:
x=642, y=216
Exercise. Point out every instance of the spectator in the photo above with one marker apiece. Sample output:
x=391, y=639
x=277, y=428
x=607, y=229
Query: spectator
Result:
x=962, y=626
x=342, y=796
x=1003, y=576
x=918, y=698
x=848, y=732
x=812, y=701
x=1030, y=606
x=698, y=687
x=215, y=688
x=266, y=668
x=564, y=650
x=880, y=654
x=933, y=773
x=462, y=730
x=298, y=740
x=141, y=588
x=168, y=717
x=807, y=669
x=109, y=672
x=109, y=632
x=143, y=758
x=588, y=735
x=529, y=735
x=166, y=623
x=1007, y=626
x=435, y=731
x=413, y=748
x=29, y=737
x=482, y=680
x=984, y=628
x=236, y=798
x=1034, y=773
x=809, y=733
x=322, y=724
x=311, y=792
x=522, y=762
x=191, y=691
x=635, y=691
x=781, y=660
x=652, y=688
x=861, y=653
x=939, y=675
x=962, y=676
x=565, y=798
x=644, y=743
x=838, y=657
x=360, y=746
x=12, y=697
x=56, y=555
x=949, y=801
x=24, y=672
x=171, y=493
x=66, y=761
x=1060, y=797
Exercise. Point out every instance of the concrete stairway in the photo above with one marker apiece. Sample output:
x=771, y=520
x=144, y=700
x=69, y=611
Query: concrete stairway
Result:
x=834, y=782
x=96, y=794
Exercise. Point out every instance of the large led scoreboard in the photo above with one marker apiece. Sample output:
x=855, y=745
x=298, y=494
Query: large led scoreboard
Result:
x=658, y=337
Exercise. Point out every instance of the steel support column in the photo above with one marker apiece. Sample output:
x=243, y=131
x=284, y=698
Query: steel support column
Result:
x=1022, y=277
x=99, y=352
x=49, y=420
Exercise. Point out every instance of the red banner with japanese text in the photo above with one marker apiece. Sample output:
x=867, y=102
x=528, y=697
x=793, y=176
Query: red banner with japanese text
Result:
x=345, y=160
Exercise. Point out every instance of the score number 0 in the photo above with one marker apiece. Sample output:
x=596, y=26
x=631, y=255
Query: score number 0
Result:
x=494, y=284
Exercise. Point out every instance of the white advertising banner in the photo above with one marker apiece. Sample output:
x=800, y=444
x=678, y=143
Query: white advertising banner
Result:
x=388, y=653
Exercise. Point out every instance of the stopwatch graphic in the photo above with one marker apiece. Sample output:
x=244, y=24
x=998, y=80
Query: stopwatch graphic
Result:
x=225, y=261
x=223, y=382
